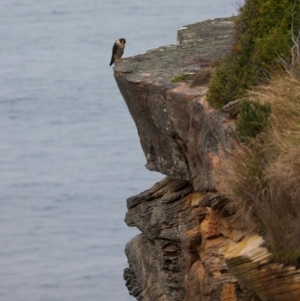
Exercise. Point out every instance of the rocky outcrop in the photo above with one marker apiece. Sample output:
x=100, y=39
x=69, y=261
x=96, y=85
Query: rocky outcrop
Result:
x=188, y=241
x=156, y=264
x=252, y=264
x=180, y=254
x=181, y=136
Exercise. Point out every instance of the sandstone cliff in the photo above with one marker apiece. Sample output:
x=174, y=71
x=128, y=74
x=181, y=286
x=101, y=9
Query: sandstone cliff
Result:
x=186, y=247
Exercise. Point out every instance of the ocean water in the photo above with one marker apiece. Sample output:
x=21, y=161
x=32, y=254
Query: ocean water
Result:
x=69, y=150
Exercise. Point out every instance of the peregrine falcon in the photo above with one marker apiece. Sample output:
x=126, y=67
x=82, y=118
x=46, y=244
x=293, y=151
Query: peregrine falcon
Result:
x=118, y=50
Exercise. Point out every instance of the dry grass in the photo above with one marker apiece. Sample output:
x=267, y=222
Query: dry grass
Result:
x=264, y=177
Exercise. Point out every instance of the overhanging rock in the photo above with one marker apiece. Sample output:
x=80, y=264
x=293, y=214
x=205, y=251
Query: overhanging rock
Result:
x=181, y=135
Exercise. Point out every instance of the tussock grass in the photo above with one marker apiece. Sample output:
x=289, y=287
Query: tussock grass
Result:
x=253, y=118
x=263, y=177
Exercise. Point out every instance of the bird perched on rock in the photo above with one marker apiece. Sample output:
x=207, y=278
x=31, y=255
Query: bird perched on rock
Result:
x=117, y=50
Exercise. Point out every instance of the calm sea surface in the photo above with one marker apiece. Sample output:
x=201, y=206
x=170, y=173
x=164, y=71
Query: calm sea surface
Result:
x=69, y=150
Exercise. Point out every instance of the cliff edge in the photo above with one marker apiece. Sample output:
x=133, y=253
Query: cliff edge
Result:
x=189, y=244
x=181, y=136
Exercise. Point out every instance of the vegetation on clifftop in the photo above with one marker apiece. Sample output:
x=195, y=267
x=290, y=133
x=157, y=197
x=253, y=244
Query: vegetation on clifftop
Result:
x=264, y=31
x=263, y=175
x=253, y=118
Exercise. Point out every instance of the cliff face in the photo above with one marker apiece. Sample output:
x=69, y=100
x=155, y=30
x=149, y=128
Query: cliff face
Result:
x=185, y=225
x=180, y=253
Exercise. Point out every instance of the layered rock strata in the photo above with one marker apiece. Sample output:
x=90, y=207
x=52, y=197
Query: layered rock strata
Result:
x=251, y=262
x=180, y=254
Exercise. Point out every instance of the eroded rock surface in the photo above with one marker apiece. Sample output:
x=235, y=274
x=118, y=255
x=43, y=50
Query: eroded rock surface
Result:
x=156, y=264
x=251, y=262
x=180, y=253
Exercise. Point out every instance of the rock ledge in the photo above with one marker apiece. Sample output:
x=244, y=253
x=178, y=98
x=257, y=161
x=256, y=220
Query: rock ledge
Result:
x=181, y=136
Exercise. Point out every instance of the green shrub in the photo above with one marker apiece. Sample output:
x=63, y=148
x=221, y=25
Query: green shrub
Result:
x=252, y=119
x=262, y=40
x=227, y=84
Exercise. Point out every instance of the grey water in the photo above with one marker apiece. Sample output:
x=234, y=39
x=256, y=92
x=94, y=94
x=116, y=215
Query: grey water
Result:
x=69, y=150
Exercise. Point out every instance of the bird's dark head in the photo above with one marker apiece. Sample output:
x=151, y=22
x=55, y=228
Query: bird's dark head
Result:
x=122, y=41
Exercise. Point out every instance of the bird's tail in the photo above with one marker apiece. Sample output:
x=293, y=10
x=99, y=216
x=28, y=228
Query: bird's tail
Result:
x=112, y=61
